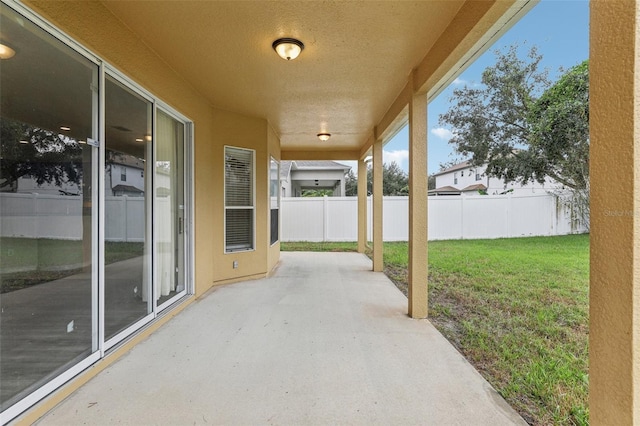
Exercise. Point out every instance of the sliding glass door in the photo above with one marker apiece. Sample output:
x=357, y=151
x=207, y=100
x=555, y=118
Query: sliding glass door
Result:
x=48, y=216
x=127, y=206
x=170, y=208
x=94, y=210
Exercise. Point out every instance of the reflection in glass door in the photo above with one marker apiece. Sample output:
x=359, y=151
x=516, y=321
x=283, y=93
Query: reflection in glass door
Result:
x=48, y=278
x=170, y=207
x=127, y=205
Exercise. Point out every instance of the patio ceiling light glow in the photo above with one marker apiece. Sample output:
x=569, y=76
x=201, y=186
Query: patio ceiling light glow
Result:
x=324, y=136
x=288, y=48
x=6, y=52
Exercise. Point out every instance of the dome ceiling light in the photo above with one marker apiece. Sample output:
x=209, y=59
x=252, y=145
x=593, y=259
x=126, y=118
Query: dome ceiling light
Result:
x=324, y=136
x=288, y=48
x=6, y=52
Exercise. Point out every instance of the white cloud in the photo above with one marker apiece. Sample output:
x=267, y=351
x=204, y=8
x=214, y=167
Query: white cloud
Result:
x=442, y=133
x=400, y=156
x=459, y=81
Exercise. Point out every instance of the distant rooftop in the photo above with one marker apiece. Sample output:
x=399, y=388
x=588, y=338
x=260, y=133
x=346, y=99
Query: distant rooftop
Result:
x=287, y=166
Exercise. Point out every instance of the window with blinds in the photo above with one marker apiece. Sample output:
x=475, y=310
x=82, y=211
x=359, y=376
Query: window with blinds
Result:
x=274, y=193
x=239, y=199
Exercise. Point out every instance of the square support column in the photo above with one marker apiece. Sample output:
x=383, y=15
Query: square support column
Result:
x=614, y=308
x=418, y=187
x=378, y=248
x=362, y=206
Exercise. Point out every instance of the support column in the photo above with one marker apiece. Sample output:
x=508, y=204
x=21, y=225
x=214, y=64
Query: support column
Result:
x=362, y=206
x=378, y=265
x=614, y=308
x=418, y=184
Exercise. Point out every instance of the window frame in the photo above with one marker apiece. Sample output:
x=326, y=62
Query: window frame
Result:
x=272, y=160
x=252, y=208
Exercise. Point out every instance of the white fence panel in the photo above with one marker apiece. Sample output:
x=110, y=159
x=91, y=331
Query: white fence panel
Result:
x=60, y=217
x=485, y=218
x=302, y=219
x=533, y=215
x=41, y=216
x=454, y=217
x=395, y=219
x=445, y=218
x=341, y=219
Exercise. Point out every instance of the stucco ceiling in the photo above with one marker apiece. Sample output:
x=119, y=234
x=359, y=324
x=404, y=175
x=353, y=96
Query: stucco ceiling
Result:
x=357, y=58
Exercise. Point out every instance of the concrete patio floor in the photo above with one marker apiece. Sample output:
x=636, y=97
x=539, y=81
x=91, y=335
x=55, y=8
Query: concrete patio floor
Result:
x=323, y=341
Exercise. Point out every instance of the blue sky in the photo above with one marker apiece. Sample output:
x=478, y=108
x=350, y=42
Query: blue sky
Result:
x=560, y=31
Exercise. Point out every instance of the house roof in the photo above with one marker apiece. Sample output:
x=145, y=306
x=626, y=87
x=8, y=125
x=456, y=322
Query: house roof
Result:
x=476, y=187
x=287, y=166
x=319, y=164
x=459, y=166
x=285, y=170
x=127, y=188
x=445, y=190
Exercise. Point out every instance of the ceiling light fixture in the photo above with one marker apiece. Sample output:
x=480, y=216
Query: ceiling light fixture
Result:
x=139, y=140
x=6, y=52
x=324, y=136
x=288, y=48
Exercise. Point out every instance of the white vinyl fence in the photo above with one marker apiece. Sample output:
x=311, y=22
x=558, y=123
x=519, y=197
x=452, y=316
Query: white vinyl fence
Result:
x=454, y=217
x=306, y=219
x=60, y=217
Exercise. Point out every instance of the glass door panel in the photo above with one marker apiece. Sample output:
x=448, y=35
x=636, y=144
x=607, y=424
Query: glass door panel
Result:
x=170, y=207
x=127, y=270
x=48, y=222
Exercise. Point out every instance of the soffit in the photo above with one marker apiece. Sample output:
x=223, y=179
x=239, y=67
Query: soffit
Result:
x=357, y=58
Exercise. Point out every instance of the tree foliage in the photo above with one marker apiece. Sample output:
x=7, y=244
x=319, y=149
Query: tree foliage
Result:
x=559, y=144
x=43, y=155
x=521, y=126
x=394, y=181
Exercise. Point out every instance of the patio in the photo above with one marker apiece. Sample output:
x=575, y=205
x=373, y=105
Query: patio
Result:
x=322, y=341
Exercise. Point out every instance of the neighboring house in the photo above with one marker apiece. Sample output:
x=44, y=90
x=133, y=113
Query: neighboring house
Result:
x=124, y=175
x=465, y=178
x=296, y=176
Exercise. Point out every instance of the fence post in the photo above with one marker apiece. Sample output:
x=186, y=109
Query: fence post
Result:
x=462, y=197
x=325, y=218
x=509, y=209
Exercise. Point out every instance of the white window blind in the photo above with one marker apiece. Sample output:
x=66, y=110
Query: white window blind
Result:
x=239, y=199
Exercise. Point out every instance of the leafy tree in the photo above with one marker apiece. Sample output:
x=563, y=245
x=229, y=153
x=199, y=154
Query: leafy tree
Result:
x=490, y=122
x=432, y=182
x=317, y=192
x=394, y=181
x=44, y=155
x=351, y=184
x=522, y=127
x=559, y=143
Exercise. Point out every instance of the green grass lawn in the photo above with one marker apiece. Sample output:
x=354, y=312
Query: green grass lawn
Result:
x=518, y=310
x=30, y=261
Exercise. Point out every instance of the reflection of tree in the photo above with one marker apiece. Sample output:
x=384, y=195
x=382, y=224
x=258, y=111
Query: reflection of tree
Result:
x=46, y=156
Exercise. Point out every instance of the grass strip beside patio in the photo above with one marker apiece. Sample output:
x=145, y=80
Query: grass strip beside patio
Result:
x=518, y=311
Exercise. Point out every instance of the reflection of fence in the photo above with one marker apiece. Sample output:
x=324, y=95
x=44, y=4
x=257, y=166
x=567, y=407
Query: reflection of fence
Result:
x=60, y=217
x=455, y=217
